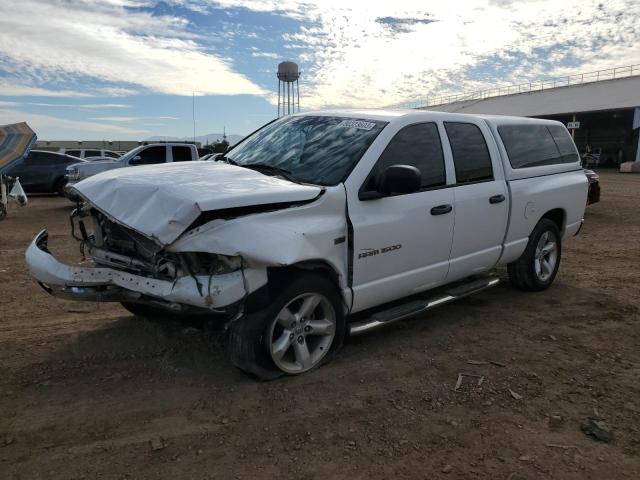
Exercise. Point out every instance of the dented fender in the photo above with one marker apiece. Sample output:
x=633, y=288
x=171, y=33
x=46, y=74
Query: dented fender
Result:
x=312, y=232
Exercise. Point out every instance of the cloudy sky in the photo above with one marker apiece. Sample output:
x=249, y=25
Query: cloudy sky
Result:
x=127, y=69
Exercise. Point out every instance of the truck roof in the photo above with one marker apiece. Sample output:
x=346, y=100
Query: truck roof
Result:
x=390, y=115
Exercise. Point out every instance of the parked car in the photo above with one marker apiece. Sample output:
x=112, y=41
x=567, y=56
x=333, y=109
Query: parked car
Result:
x=142, y=155
x=328, y=224
x=594, y=186
x=89, y=152
x=43, y=172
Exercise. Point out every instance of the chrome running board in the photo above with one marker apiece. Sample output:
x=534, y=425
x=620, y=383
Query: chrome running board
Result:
x=416, y=307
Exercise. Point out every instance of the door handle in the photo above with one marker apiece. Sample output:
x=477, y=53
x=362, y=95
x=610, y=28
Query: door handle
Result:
x=441, y=209
x=497, y=199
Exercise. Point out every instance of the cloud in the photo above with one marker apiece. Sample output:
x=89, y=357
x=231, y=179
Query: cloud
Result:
x=133, y=119
x=266, y=55
x=106, y=41
x=80, y=105
x=383, y=53
x=41, y=122
x=12, y=89
x=403, y=25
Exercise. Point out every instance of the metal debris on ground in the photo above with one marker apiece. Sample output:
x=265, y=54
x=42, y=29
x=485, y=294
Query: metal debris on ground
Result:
x=478, y=379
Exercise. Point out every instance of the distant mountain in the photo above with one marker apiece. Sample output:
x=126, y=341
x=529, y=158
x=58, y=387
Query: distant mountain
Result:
x=203, y=139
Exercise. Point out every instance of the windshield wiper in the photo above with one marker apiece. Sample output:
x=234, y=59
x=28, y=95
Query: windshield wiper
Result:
x=270, y=169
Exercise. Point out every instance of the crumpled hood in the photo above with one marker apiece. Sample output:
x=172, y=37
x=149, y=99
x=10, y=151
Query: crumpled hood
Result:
x=162, y=201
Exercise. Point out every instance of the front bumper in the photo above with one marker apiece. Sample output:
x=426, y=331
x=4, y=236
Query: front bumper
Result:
x=594, y=193
x=110, y=285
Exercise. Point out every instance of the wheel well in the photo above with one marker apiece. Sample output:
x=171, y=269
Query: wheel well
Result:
x=557, y=215
x=278, y=277
x=280, y=274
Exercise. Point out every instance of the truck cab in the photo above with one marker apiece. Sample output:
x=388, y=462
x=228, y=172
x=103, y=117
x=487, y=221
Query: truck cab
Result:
x=328, y=224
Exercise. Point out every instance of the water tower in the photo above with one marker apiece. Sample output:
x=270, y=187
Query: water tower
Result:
x=288, y=88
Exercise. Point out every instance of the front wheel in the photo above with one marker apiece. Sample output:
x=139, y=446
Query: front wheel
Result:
x=301, y=329
x=537, y=267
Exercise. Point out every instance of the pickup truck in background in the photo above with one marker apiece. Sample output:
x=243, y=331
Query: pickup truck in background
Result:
x=89, y=153
x=142, y=155
x=327, y=224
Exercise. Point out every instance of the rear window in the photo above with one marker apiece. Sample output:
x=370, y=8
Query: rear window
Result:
x=536, y=145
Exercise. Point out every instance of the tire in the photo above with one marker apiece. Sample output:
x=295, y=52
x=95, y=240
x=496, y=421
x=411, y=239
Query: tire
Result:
x=3, y=211
x=302, y=328
x=58, y=186
x=538, y=266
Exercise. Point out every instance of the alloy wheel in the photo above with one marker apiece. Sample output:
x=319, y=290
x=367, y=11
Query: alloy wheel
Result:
x=302, y=332
x=546, y=256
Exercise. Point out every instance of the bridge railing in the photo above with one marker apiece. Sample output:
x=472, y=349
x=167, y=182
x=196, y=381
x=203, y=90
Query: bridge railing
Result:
x=532, y=86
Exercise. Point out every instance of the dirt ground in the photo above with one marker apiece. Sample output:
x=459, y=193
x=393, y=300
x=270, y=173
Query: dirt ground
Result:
x=89, y=391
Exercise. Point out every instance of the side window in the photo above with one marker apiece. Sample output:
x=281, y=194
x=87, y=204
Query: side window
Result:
x=181, y=154
x=534, y=145
x=92, y=153
x=55, y=159
x=152, y=155
x=564, y=142
x=73, y=153
x=470, y=153
x=109, y=154
x=37, y=159
x=416, y=145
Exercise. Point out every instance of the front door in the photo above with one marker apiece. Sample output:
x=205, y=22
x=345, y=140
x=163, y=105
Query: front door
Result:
x=401, y=243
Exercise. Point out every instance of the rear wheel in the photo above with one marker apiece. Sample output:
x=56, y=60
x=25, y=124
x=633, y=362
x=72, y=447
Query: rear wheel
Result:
x=537, y=267
x=302, y=328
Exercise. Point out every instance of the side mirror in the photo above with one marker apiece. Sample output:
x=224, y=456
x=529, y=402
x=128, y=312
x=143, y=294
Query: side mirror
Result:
x=135, y=160
x=399, y=179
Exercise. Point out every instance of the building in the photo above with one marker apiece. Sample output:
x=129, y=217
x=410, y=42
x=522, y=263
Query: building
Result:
x=601, y=109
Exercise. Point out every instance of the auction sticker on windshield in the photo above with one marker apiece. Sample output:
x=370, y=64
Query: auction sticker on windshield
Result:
x=359, y=124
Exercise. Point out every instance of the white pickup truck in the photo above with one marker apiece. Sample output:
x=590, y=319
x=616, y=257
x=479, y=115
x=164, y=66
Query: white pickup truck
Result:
x=149, y=154
x=327, y=224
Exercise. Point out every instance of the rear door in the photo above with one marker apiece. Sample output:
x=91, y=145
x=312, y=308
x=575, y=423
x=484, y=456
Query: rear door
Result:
x=480, y=197
x=401, y=242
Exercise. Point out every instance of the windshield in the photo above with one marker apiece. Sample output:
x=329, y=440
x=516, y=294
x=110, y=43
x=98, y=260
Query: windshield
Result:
x=312, y=149
x=130, y=154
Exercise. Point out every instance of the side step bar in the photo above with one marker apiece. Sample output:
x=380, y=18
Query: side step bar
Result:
x=416, y=307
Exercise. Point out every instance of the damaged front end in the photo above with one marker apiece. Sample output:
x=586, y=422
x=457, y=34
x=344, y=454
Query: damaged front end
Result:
x=130, y=267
